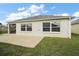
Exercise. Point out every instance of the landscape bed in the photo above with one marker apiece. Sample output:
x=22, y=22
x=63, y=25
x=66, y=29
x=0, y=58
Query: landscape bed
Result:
x=49, y=46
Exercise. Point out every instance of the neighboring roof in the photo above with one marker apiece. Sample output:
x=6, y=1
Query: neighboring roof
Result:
x=40, y=18
x=75, y=22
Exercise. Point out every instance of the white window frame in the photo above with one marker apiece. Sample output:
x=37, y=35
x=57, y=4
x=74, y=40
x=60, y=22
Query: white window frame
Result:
x=26, y=27
x=51, y=27
x=23, y=27
x=44, y=27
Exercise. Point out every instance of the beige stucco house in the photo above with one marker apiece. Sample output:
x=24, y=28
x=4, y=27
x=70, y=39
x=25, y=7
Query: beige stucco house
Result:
x=42, y=25
x=75, y=27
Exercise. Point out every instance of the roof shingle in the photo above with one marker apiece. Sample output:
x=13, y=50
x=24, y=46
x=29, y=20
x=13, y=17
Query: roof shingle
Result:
x=40, y=18
x=75, y=22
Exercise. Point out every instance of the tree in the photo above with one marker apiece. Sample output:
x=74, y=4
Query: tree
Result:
x=0, y=23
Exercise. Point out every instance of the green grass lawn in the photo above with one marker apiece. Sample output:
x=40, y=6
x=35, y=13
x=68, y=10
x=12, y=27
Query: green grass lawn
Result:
x=49, y=46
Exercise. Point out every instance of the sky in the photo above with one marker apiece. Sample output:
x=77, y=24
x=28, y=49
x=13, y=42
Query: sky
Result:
x=14, y=11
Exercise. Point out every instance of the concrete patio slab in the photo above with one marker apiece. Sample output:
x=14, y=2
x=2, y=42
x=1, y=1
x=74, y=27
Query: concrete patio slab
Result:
x=22, y=40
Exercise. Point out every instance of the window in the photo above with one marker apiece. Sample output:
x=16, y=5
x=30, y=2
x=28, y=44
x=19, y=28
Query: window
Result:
x=51, y=27
x=22, y=27
x=29, y=27
x=55, y=27
x=46, y=26
x=26, y=27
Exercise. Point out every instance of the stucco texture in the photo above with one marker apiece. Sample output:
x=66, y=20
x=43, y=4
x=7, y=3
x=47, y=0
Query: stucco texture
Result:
x=75, y=28
x=37, y=29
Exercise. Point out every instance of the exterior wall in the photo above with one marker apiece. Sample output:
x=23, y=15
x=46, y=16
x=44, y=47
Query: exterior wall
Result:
x=65, y=29
x=75, y=28
x=8, y=29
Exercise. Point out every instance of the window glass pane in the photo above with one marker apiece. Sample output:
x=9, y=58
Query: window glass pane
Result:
x=46, y=26
x=29, y=27
x=46, y=29
x=55, y=27
x=22, y=27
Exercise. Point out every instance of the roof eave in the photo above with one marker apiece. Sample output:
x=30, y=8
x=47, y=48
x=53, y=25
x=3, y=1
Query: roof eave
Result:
x=37, y=20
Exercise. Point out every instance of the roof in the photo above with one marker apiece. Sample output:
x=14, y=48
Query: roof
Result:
x=40, y=18
x=75, y=22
